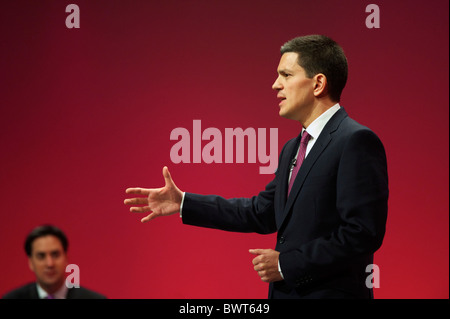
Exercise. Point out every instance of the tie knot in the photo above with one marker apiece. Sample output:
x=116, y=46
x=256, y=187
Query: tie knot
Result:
x=305, y=138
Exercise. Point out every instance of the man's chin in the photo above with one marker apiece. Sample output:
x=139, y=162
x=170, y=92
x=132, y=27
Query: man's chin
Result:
x=286, y=115
x=283, y=113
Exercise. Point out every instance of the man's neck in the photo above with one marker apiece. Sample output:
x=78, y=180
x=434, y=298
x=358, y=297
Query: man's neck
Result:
x=317, y=110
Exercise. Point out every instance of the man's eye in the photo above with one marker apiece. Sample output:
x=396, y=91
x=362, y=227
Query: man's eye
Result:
x=56, y=254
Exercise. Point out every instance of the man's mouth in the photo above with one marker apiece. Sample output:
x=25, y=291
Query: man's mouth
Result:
x=50, y=273
x=282, y=98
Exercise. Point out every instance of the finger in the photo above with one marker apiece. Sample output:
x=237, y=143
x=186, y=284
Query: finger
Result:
x=258, y=267
x=257, y=260
x=136, y=201
x=144, y=209
x=137, y=190
x=148, y=218
x=263, y=276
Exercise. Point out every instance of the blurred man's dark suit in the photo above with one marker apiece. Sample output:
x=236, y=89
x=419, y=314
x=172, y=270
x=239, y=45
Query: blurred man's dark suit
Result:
x=29, y=291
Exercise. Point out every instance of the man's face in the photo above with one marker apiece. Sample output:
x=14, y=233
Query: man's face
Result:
x=294, y=88
x=48, y=261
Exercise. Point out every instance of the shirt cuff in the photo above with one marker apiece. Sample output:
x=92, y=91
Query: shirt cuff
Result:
x=279, y=269
x=181, y=205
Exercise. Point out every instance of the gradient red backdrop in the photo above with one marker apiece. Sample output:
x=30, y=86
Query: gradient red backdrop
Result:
x=86, y=113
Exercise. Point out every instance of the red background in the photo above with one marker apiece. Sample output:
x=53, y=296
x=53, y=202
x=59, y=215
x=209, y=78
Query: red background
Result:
x=86, y=113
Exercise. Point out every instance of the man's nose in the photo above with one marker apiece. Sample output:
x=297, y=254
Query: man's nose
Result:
x=276, y=85
x=49, y=261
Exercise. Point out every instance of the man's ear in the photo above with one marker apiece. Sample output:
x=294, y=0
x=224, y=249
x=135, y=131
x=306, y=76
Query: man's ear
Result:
x=320, y=85
x=30, y=264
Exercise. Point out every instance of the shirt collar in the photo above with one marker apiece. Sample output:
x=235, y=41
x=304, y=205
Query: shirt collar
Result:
x=61, y=293
x=315, y=128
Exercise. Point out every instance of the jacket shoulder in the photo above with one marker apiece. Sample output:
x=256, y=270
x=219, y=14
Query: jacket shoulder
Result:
x=27, y=291
x=351, y=129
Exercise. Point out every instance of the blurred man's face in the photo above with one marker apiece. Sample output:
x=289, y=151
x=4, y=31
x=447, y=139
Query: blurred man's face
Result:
x=294, y=88
x=48, y=261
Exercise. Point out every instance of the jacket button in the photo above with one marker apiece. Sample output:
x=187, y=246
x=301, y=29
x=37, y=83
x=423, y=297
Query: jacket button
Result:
x=281, y=240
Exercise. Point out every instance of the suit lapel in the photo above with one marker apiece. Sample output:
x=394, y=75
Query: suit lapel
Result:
x=319, y=146
x=33, y=291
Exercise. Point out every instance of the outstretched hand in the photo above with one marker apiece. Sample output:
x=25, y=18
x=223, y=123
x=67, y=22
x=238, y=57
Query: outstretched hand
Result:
x=162, y=201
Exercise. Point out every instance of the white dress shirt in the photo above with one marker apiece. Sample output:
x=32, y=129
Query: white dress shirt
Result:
x=315, y=128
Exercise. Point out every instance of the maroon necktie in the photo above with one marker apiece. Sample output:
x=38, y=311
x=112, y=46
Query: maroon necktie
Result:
x=300, y=158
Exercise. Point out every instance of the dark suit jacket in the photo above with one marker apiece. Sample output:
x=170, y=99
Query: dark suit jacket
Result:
x=332, y=222
x=29, y=291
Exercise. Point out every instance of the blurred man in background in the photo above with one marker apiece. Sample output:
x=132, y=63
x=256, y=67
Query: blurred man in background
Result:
x=46, y=248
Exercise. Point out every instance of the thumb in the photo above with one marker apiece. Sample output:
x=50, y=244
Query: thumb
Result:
x=167, y=177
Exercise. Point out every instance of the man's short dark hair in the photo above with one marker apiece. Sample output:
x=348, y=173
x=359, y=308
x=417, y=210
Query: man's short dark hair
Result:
x=45, y=230
x=320, y=54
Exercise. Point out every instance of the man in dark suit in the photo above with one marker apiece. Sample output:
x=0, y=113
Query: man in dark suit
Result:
x=328, y=199
x=46, y=248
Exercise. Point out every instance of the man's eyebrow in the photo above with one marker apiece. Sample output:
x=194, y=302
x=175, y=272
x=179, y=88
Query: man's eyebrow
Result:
x=284, y=71
x=45, y=252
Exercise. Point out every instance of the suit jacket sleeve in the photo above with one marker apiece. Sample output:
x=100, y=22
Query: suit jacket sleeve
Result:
x=246, y=215
x=361, y=204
